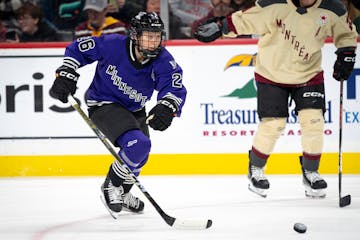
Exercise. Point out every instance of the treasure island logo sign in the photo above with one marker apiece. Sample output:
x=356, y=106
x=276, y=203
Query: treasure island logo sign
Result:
x=249, y=89
x=239, y=120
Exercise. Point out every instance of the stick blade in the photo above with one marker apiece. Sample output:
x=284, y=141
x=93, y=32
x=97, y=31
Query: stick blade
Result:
x=345, y=201
x=192, y=224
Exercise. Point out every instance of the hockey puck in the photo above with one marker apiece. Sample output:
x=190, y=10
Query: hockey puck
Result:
x=300, y=228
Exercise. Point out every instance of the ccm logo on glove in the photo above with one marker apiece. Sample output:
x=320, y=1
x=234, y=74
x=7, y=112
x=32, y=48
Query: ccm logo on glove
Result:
x=344, y=63
x=349, y=59
x=161, y=116
x=67, y=75
x=64, y=84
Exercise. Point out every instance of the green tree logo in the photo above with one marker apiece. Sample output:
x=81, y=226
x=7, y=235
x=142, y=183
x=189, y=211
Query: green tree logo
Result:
x=249, y=89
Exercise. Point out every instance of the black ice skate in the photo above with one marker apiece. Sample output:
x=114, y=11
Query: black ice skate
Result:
x=115, y=200
x=132, y=204
x=314, y=184
x=112, y=197
x=258, y=182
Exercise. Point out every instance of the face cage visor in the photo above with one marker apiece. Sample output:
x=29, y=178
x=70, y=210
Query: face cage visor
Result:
x=146, y=52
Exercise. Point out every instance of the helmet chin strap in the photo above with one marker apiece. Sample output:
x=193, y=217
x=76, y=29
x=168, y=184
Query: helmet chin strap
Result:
x=146, y=54
x=140, y=55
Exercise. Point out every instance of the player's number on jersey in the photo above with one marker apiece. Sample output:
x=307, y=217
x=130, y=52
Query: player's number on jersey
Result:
x=86, y=44
x=176, y=80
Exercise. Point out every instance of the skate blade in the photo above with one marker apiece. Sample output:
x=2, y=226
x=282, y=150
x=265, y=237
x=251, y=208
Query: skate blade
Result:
x=314, y=193
x=115, y=215
x=258, y=191
x=129, y=210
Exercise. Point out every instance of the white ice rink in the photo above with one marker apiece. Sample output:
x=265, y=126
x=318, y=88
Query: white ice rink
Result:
x=70, y=208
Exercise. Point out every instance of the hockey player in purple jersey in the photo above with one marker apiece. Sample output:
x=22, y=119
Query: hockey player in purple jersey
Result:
x=129, y=70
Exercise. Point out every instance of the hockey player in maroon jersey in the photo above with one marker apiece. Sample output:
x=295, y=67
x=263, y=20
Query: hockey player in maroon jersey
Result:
x=288, y=66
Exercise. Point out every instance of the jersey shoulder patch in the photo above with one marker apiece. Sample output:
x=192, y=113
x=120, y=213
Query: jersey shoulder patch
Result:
x=335, y=6
x=265, y=3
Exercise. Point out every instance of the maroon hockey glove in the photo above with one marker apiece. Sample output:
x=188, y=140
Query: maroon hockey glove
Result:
x=64, y=84
x=161, y=116
x=344, y=64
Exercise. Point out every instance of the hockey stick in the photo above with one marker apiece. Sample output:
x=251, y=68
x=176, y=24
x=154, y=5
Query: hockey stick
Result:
x=346, y=200
x=171, y=221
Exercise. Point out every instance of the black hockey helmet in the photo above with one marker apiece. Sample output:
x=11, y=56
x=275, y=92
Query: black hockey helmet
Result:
x=356, y=3
x=148, y=22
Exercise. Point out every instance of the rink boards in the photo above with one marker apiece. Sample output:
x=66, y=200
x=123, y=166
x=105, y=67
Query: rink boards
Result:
x=39, y=136
x=167, y=164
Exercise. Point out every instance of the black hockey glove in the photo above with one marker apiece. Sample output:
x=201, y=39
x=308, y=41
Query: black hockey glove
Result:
x=210, y=30
x=64, y=84
x=161, y=116
x=344, y=64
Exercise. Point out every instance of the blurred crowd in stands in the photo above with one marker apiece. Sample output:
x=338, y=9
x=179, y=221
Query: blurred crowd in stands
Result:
x=66, y=20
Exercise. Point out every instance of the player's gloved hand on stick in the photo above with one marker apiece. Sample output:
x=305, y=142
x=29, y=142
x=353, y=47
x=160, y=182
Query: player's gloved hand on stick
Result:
x=161, y=116
x=64, y=84
x=209, y=31
x=344, y=64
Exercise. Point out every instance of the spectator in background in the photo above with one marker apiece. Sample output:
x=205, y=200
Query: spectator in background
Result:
x=220, y=8
x=98, y=23
x=174, y=22
x=32, y=26
x=241, y=4
x=152, y=6
x=185, y=13
x=353, y=7
x=190, y=10
x=8, y=10
x=123, y=10
x=3, y=31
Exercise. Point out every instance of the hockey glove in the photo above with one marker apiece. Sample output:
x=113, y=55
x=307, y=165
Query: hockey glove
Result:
x=344, y=64
x=210, y=30
x=64, y=84
x=161, y=116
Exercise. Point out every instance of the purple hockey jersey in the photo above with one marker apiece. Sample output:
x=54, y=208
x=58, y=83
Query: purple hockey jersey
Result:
x=120, y=78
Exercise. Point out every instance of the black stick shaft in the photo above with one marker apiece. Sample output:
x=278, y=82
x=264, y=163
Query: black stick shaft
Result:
x=168, y=219
x=346, y=200
x=340, y=134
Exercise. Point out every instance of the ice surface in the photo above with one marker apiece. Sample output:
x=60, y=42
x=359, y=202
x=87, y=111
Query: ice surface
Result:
x=70, y=208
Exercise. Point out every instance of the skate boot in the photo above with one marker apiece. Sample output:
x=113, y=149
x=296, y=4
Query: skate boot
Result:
x=132, y=203
x=112, y=197
x=314, y=184
x=115, y=200
x=258, y=182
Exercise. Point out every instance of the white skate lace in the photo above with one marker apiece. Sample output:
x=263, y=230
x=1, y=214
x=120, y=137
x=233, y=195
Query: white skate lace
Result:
x=114, y=193
x=312, y=176
x=257, y=173
x=131, y=201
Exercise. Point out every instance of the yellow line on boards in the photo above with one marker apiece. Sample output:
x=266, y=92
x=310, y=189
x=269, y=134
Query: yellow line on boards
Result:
x=167, y=164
